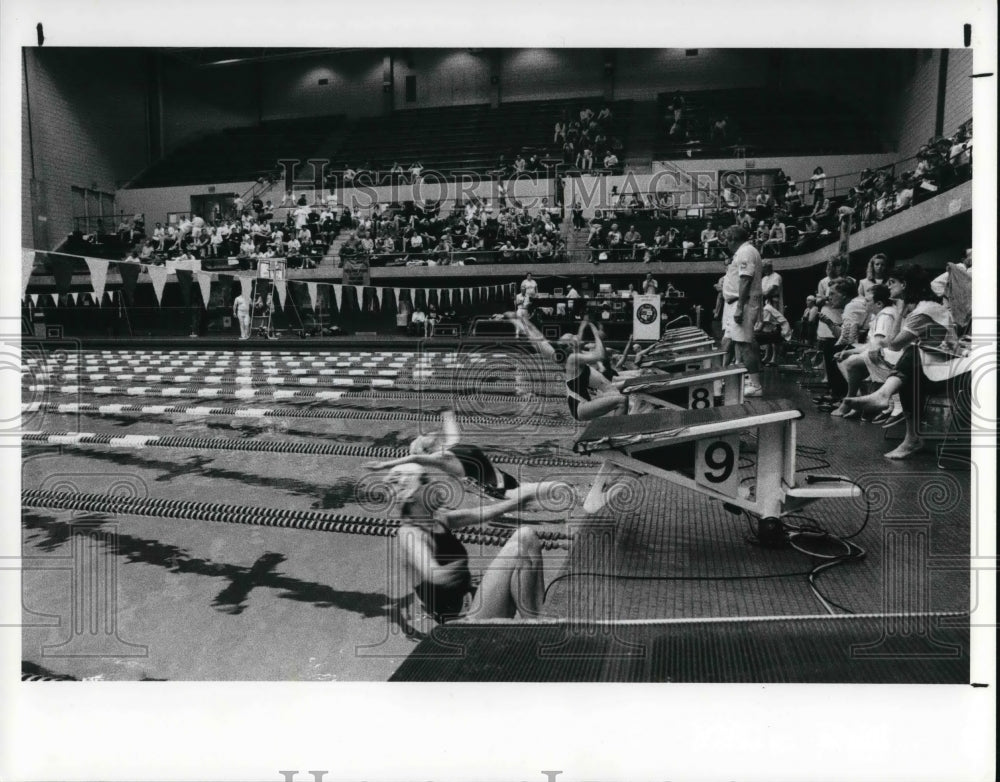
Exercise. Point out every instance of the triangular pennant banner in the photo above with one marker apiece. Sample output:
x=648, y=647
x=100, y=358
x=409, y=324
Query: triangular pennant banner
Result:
x=62, y=270
x=158, y=274
x=34, y=299
x=98, y=276
x=279, y=286
x=130, y=275
x=378, y=298
x=311, y=287
x=338, y=294
x=72, y=297
x=186, y=279
x=205, y=283
x=246, y=287
x=27, y=266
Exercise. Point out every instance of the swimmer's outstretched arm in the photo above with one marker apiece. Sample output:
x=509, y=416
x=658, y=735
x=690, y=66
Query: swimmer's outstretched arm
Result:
x=620, y=361
x=442, y=460
x=464, y=516
x=536, y=337
x=449, y=427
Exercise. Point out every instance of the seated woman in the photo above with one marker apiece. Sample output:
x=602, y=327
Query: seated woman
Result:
x=589, y=394
x=869, y=360
x=928, y=325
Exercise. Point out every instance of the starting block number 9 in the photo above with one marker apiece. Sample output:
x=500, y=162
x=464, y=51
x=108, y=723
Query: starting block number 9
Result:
x=716, y=464
x=700, y=397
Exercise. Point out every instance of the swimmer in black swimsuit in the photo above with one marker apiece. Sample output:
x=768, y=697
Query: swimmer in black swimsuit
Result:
x=437, y=563
x=443, y=451
x=589, y=394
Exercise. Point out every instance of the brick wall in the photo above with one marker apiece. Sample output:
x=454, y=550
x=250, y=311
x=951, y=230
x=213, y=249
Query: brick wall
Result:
x=958, y=90
x=919, y=103
x=87, y=129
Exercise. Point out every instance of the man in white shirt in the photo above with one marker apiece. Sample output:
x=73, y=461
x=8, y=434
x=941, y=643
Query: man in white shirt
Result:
x=743, y=294
x=529, y=287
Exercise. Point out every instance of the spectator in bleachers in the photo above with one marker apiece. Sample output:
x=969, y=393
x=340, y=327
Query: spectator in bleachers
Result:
x=520, y=164
x=719, y=133
x=610, y=160
x=604, y=118
x=793, y=198
x=632, y=240
x=586, y=115
x=687, y=243
x=596, y=243
x=506, y=250
x=709, y=239
x=416, y=170
x=614, y=241
x=817, y=185
x=960, y=152
x=545, y=251
x=650, y=285
x=762, y=205
x=585, y=159
x=779, y=187
x=775, y=237
x=577, y=211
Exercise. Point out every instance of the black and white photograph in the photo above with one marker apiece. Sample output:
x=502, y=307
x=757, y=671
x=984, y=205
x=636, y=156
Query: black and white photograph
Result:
x=380, y=401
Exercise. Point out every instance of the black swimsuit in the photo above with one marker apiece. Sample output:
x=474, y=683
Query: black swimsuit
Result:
x=578, y=390
x=480, y=471
x=444, y=600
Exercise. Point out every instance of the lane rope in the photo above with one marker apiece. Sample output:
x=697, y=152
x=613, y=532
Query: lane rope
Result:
x=282, y=518
x=269, y=392
x=271, y=446
x=274, y=412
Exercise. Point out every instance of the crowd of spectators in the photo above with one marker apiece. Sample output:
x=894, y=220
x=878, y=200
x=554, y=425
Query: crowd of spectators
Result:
x=939, y=164
x=588, y=142
x=475, y=232
x=250, y=232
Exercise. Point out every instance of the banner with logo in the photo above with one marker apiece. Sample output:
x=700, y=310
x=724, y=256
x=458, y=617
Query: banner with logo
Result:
x=646, y=317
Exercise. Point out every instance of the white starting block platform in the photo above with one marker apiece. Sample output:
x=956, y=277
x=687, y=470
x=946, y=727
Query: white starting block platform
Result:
x=696, y=359
x=681, y=342
x=700, y=450
x=695, y=390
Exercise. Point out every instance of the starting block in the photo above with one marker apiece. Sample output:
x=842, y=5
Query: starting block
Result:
x=695, y=390
x=700, y=450
x=679, y=343
x=697, y=359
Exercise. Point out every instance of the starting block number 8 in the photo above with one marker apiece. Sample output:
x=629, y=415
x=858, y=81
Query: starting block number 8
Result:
x=700, y=397
x=716, y=464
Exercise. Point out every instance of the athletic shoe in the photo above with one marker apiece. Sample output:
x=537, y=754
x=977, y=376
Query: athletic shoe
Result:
x=751, y=389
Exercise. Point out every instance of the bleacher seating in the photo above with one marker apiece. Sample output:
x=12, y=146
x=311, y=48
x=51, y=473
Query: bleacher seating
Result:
x=765, y=121
x=473, y=138
x=243, y=154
